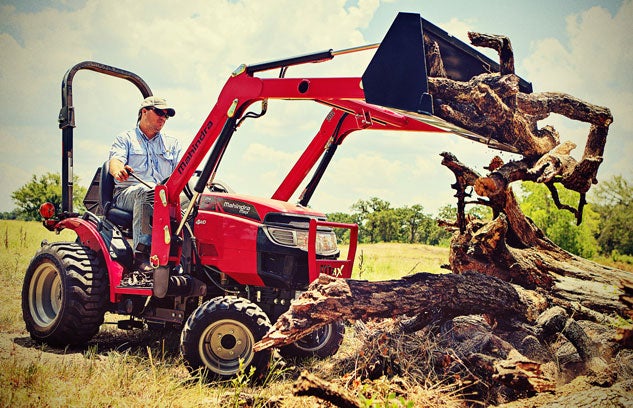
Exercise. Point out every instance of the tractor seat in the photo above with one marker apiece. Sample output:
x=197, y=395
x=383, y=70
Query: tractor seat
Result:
x=118, y=216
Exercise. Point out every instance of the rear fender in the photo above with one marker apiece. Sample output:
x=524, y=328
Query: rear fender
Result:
x=89, y=236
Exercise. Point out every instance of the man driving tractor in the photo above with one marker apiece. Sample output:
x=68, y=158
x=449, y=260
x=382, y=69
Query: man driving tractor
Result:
x=152, y=156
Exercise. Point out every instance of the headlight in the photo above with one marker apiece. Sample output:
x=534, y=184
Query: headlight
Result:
x=325, y=240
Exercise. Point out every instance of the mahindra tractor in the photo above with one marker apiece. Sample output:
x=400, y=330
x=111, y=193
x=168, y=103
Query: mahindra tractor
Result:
x=225, y=264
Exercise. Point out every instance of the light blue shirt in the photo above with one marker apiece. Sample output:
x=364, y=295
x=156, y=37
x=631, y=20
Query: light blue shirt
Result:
x=153, y=160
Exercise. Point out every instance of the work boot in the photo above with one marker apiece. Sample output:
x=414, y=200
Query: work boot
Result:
x=142, y=263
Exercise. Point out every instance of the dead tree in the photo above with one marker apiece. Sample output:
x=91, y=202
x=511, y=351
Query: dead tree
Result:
x=524, y=292
x=510, y=246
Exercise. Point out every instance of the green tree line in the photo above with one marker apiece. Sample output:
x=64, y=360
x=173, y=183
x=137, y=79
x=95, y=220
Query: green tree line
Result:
x=607, y=226
x=378, y=221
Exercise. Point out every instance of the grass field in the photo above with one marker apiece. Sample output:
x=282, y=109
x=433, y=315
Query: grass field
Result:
x=144, y=369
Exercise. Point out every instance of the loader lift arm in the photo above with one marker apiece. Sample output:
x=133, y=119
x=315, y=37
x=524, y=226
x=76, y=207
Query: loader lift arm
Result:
x=381, y=110
x=366, y=102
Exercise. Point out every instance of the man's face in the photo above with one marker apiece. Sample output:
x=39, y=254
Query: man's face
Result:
x=153, y=120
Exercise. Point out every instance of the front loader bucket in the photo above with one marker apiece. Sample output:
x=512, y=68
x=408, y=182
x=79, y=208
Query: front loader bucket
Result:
x=396, y=77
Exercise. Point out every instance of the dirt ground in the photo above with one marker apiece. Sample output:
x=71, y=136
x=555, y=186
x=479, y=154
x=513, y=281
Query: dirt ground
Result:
x=600, y=391
x=20, y=347
x=581, y=392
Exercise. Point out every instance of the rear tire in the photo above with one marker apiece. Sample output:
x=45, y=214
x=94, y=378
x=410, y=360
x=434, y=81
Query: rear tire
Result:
x=220, y=333
x=322, y=343
x=64, y=294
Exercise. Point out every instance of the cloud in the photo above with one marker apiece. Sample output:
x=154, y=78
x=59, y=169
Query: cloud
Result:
x=593, y=64
x=187, y=52
x=458, y=28
x=594, y=57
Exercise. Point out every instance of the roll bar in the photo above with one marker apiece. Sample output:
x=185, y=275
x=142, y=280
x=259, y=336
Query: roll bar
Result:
x=67, y=119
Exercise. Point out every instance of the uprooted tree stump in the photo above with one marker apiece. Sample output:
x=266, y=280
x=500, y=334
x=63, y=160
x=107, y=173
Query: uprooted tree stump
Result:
x=520, y=313
x=500, y=331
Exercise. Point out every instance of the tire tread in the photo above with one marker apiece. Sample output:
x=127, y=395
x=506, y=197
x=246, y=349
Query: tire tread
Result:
x=85, y=290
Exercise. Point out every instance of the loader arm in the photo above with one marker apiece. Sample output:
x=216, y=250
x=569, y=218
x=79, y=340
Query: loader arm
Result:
x=241, y=91
x=345, y=95
x=392, y=94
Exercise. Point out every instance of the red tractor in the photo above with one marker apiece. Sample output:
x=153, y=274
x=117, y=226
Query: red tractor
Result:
x=228, y=264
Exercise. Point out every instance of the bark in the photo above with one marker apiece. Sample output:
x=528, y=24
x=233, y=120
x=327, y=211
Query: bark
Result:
x=511, y=247
x=311, y=385
x=499, y=43
x=429, y=297
x=434, y=63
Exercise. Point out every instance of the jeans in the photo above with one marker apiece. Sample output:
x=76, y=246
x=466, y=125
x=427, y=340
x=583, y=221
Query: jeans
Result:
x=140, y=201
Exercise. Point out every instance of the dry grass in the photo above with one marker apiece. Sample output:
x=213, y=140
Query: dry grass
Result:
x=106, y=375
x=137, y=369
x=383, y=366
x=384, y=261
x=144, y=369
x=19, y=241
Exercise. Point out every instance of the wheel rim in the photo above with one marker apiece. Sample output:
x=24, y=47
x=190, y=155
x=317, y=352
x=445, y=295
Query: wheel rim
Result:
x=314, y=341
x=222, y=345
x=45, y=293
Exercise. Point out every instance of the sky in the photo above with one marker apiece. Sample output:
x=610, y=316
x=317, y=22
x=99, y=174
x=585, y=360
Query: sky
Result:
x=185, y=51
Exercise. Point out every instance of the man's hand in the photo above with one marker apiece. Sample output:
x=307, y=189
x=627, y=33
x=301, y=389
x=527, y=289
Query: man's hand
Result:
x=120, y=171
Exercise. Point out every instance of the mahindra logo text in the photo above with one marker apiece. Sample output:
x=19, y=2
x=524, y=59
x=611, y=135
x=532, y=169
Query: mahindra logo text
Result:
x=194, y=147
x=241, y=208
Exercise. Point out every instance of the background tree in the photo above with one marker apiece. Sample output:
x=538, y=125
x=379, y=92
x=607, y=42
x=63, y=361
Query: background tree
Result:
x=480, y=212
x=383, y=225
x=41, y=189
x=378, y=222
x=560, y=226
x=448, y=212
x=342, y=234
x=10, y=215
x=413, y=221
x=439, y=235
x=614, y=202
x=367, y=229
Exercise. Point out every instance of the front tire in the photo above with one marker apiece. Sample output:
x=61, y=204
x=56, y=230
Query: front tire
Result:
x=220, y=333
x=64, y=294
x=322, y=343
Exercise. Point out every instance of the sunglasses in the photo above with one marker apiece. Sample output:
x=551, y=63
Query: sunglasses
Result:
x=160, y=112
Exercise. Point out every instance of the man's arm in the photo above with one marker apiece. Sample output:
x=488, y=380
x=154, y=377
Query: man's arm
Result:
x=119, y=171
x=119, y=156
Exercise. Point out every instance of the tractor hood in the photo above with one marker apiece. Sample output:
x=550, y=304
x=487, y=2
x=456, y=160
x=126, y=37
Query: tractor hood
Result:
x=255, y=208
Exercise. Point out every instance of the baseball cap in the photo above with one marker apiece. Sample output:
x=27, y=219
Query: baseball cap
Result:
x=157, y=102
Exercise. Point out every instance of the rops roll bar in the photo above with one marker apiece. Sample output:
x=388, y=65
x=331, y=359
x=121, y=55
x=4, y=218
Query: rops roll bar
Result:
x=67, y=119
